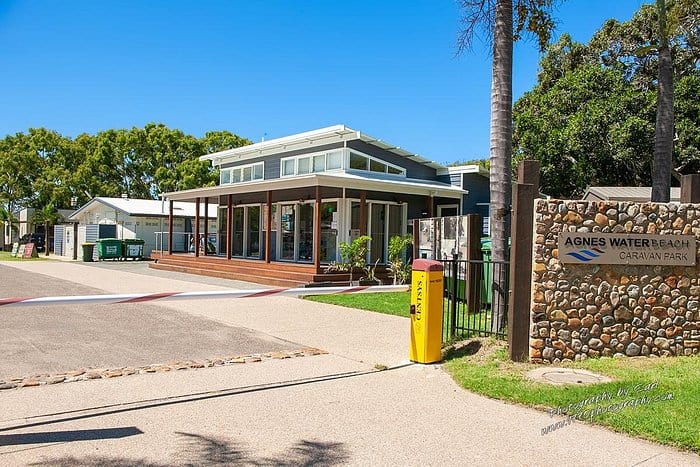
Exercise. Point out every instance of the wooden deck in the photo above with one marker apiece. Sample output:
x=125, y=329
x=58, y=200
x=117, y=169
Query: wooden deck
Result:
x=280, y=274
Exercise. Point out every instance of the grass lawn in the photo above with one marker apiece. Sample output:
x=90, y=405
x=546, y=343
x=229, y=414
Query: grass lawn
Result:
x=390, y=303
x=482, y=366
x=398, y=303
x=6, y=256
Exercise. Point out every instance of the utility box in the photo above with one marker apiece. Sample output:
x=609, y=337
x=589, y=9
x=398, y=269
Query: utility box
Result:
x=426, y=311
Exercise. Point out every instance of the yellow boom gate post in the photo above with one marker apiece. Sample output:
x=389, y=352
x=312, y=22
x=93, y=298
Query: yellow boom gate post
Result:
x=426, y=311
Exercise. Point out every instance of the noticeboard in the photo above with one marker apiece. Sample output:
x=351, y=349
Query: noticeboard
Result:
x=29, y=251
x=15, y=249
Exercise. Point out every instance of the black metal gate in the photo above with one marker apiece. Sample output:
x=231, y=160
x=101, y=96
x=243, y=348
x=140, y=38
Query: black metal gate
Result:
x=473, y=299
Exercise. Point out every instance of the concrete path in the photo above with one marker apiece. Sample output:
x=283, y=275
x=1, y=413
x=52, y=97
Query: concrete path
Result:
x=329, y=409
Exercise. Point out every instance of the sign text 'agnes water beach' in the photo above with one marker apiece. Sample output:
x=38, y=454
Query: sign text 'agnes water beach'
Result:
x=606, y=248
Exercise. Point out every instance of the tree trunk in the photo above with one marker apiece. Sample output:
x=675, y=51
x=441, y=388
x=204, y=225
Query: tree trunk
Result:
x=501, y=150
x=663, y=144
x=46, y=238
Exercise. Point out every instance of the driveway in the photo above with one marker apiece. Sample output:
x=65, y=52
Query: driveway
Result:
x=40, y=340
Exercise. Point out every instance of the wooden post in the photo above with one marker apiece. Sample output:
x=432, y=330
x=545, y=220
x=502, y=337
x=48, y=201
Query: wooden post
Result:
x=75, y=241
x=206, y=225
x=268, y=227
x=474, y=268
x=317, y=230
x=690, y=188
x=229, y=223
x=196, y=228
x=416, y=239
x=524, y=194
x=529, y=172
x=170, y=227
x=431, y=201
x=520, y=271
x=363, y=213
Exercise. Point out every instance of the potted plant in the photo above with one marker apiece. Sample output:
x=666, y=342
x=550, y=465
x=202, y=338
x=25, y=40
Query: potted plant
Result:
x=352, y=257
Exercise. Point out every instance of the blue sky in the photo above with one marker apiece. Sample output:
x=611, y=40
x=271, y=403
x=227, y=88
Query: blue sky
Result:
x=263, y=68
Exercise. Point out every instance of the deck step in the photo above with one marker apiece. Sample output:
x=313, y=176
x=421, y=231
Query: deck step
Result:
x=274, y=281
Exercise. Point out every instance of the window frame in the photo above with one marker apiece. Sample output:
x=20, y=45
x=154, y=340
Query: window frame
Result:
x=370, y=159
x=311, y=158
x=239, y=170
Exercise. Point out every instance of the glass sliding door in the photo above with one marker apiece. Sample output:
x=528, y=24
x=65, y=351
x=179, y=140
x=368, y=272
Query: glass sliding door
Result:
x=306, y=232
x=238, y=230
x=395, y=221
x=355, y=227
x=273, y=232
x=377, y=232
x=329, y=231
x=287, y=230
x=253, y=232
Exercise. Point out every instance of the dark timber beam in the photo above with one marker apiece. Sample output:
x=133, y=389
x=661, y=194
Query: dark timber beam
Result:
x=170, y=227
x=268, y=227
x=229, y=223
x=317, y=230
x=363, y=212
x=206, y=225
x=196, y=228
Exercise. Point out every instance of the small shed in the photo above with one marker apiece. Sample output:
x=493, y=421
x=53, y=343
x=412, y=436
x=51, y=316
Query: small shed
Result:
x=147, y=219
x=636, y=194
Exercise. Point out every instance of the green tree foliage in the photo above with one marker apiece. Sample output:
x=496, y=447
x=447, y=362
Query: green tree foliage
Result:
x=41, y=167
x=591, y=118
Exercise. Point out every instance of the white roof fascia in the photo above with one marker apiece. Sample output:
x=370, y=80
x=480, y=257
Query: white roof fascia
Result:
x=312, y=138
x=464, y=169
x=335, y=180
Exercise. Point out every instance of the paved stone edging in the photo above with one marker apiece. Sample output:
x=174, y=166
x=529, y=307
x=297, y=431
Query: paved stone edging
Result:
x=103, y=373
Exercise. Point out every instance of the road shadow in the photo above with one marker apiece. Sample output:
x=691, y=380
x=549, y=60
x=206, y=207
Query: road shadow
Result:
x=195, y=450
x=462, y=349
x=68, y=436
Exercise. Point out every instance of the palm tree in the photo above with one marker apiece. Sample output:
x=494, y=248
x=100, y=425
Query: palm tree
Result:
x=496, y=18
x=663, y=143
x=8, y=222
x=49, y=216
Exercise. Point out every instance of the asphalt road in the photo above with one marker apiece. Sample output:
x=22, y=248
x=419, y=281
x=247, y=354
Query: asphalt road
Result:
x=41, y=340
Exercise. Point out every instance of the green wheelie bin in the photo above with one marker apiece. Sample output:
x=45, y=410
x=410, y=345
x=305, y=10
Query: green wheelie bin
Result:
x=109, y=248
x=88, y=250
x=132, y=248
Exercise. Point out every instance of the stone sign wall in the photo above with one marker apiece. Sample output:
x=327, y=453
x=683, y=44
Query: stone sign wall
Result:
x=591, y=310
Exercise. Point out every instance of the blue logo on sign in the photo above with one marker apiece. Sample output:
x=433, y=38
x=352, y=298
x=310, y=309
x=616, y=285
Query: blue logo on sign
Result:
x=585, y=255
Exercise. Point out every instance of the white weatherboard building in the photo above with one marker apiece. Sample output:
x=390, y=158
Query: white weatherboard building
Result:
x=125, y=218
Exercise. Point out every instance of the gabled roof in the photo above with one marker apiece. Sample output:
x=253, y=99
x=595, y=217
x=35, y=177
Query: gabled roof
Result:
x=639, y=194
x=310, y=139
x=144, y=207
